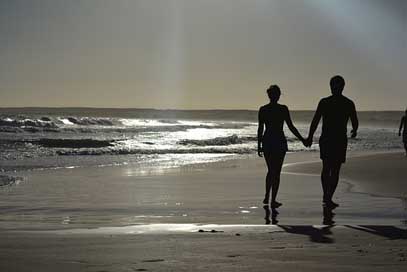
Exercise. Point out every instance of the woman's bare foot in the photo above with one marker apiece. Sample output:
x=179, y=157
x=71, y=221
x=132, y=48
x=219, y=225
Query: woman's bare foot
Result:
x=275, y=204
x=266, y=200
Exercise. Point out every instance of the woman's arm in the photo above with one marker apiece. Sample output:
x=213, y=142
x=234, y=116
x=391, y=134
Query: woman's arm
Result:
x=291, y=126
x=260, y=133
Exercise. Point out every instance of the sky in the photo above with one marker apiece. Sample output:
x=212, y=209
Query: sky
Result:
x=201, y=54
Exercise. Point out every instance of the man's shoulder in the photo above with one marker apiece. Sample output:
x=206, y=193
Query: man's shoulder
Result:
x=284, y=107
x=324, y=100
x=337, y=99
x=327, y=98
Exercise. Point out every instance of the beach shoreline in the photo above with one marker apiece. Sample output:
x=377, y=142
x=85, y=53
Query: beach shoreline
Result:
x=203, y=217
x=225, y=192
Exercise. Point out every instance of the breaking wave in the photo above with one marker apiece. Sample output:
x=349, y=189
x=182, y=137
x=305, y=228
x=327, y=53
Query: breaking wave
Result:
x=21, y=124
x=124, y=151
x=25, y=122
x=88, y=121
x=229, y=140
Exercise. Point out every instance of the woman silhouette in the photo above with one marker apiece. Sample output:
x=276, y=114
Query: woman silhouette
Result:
x=273, y=143
x=403, y=127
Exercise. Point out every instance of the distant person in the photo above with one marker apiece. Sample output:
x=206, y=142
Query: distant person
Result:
x=273, y=143
x=403, y=127
x=335, y=112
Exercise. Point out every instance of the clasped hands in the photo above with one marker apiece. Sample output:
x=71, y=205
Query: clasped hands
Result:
x=307, y=142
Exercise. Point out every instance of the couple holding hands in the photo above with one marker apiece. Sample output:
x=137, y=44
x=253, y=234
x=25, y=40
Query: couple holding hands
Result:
x=335, y=111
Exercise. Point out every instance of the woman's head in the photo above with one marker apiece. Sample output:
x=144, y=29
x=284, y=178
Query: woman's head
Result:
x=274, y=93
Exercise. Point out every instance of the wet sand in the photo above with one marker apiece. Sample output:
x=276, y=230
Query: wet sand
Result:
x=383, y=174
x=228, y=192
x=124, y=219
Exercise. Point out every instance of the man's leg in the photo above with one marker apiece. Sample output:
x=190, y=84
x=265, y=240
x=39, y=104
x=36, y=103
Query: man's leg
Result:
x=325, y=176
x=334, y=179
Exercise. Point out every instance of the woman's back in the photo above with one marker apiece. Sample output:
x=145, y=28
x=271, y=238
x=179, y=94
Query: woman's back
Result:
x=273, y=115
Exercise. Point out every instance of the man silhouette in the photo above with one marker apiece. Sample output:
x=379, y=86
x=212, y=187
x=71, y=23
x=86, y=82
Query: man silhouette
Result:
x=335, y=112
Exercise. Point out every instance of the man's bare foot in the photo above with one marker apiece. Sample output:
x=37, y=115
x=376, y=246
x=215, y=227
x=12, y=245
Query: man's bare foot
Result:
x=330, y=204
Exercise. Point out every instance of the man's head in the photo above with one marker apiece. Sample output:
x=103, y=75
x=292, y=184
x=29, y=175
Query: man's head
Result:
x=274, y=93
x=337, y=84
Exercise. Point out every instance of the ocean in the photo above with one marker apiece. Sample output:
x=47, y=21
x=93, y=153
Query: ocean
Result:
x=40, y=138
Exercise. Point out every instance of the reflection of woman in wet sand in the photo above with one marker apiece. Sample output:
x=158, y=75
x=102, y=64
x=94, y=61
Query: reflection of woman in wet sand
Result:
x=273, y=142
x=403, y=127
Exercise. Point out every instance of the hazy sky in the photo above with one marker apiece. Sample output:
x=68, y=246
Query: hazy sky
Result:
x=201, y=54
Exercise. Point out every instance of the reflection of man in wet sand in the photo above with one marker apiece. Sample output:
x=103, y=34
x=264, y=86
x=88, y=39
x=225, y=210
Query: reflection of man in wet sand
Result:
x=335, y=112
x=403, y=127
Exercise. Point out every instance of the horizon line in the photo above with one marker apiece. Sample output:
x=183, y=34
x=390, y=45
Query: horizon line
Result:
x=166, y=109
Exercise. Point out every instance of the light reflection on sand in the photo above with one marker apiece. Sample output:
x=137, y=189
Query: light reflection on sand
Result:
x=172, y=228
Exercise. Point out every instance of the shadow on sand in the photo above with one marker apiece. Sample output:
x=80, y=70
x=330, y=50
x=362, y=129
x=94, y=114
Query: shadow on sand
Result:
x=390, y=232
x=317, y=235
x=320, y=234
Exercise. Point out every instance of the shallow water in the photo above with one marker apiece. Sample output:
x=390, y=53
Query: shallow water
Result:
x=119, y=196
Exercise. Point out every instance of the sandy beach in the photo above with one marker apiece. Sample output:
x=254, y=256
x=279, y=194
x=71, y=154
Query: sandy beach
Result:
x=130, y=133
x=290, y=248
x=205, y=217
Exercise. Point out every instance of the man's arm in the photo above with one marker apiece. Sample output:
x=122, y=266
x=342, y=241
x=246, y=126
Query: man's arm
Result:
x=355, y=121
x=260, y=133
x=314, y=124
x=401, y=124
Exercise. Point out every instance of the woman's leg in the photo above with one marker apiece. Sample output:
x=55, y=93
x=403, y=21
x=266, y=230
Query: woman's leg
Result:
x=267, y=157
x=277, y=163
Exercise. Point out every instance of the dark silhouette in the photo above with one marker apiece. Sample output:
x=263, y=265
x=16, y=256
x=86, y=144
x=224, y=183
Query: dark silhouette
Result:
x=328, y=216
x=335, y=112
x=273, y=142
x=316, y=235
x=390, y=232
x=403, y=127
x=270, y=213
